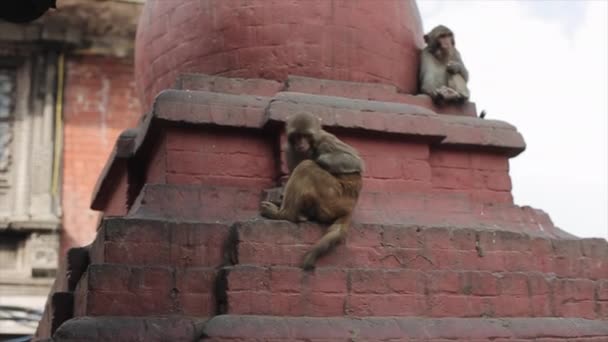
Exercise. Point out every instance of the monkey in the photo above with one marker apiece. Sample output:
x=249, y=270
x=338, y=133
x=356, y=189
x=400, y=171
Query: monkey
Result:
x=442, y=74
x=324, y=183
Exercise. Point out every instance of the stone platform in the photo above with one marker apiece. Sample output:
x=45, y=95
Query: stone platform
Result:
x=438, y=250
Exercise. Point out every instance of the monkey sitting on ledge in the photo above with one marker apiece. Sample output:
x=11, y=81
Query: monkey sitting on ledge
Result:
x=324, y=183
x=443, y=75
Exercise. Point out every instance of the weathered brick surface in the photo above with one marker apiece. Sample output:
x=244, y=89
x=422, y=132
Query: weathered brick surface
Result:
x=119, y=290
x=264, y=328
x=237, y=86
x=197, y=202
x=269, y=242
x=410, y=271
x=284, y=290
x=99, y=103
x=237, y=158
x=158, y=243
x=271, y=40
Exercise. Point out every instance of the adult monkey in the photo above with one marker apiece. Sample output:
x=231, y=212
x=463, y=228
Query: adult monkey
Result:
x=442, y=75
x=324, y=183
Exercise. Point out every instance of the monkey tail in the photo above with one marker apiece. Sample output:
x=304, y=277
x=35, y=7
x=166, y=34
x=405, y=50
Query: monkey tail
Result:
x=335, y=234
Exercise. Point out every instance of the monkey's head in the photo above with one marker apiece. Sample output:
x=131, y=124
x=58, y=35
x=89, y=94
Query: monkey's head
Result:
x=302, y=131
x=440, y=38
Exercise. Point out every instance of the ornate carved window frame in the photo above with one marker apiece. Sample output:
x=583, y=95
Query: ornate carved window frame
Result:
x=29, y=207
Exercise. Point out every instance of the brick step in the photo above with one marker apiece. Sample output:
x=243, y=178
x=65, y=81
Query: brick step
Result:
x=372, y=92
x=347, y=89
x=375, y=329
x=133, y=241
x=237, y=86
x=135, y=329
x=203, y=203
x=281, y=243
x=192, y=202
x=331, y=291
x=121, y=290
x=465, y=209
x=245, y=328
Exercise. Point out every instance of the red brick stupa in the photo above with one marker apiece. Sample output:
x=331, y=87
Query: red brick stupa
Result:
x=438, y=250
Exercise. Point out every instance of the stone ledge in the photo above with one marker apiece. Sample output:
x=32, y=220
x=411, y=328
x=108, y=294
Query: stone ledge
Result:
x=485, y=134
x=338, y=112
x=403, y=119
x=42, y=30
x=309, y=85
x=238, y=86
x=171, y=328
x=204, y=107
x=384, y=328
x=373, y=91
x=356, y=104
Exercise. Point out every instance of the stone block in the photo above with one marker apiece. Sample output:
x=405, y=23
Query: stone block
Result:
x=208, y=107
x=131, y=329
x=275, y=328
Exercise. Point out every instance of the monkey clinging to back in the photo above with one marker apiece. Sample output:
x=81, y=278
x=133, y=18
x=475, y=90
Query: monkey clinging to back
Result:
x=324, y=183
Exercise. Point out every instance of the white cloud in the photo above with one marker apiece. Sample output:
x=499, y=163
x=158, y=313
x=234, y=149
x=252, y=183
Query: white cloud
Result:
x=551, y=81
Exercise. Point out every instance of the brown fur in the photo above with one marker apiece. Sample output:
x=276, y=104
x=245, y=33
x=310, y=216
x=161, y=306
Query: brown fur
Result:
x=324, y=184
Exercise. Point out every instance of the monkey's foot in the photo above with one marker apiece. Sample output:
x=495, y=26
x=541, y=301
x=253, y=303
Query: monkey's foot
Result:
x=448, y=94
x=269, y=210
x=309, y=261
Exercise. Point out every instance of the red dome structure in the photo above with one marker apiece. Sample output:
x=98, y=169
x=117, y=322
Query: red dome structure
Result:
x=364, y=41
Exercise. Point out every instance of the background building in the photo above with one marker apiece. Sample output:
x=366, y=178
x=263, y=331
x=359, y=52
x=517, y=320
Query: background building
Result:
x=66, y=92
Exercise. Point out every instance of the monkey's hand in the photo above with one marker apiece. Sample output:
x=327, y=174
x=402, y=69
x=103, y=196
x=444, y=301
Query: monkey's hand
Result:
x=454, y=67
x=324, y=161
x=338, y=163
x=437, y=93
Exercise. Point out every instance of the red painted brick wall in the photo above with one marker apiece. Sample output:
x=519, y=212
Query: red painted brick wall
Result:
x=99, y=103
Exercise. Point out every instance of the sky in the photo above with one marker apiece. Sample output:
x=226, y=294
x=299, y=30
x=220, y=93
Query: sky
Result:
x=542, y=65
